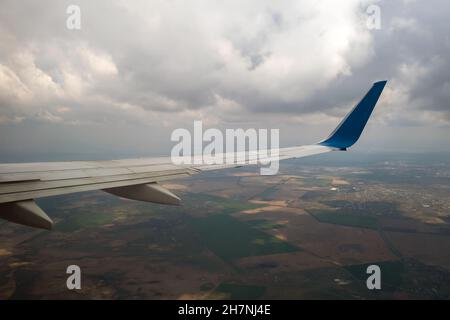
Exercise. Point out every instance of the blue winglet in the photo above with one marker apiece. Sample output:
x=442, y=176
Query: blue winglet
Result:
x=349, y=130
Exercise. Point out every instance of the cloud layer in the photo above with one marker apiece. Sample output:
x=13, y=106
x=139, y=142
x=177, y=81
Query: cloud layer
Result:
x=162, y=64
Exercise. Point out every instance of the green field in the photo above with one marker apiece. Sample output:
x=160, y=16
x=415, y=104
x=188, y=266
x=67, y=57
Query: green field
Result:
x=345, y=219
x=392, y=273
x=84, y=220
x=264, y=224
x=239, y=292
x=215, y=204
x=268, y=194
x=319, y=182
x=232, y=239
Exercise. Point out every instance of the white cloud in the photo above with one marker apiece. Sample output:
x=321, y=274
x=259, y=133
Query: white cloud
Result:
x=165, y=63
x=170, y=56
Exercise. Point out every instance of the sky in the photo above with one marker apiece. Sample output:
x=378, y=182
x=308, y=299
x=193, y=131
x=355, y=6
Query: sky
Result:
x=137, y=70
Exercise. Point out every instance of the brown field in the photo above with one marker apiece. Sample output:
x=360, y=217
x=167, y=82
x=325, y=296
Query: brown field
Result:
x=431, y=249
x=147, y=251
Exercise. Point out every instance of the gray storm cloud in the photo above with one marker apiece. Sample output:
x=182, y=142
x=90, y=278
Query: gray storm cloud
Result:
x=165, y=63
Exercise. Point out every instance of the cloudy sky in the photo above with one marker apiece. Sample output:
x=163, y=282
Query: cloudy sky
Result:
x=136, y=70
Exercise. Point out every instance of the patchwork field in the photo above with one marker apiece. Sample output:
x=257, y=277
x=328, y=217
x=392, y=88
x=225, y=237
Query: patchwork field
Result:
x=308, y=233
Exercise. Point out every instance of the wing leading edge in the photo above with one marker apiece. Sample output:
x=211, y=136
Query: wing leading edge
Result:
x=137, y=178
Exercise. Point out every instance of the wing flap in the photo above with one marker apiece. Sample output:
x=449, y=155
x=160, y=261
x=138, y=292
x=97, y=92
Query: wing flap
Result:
x=31, y=190
x=150, y=192
x=27, y=213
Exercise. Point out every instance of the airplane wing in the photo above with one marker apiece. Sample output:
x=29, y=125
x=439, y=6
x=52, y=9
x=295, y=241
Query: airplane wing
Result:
x=137, y=179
